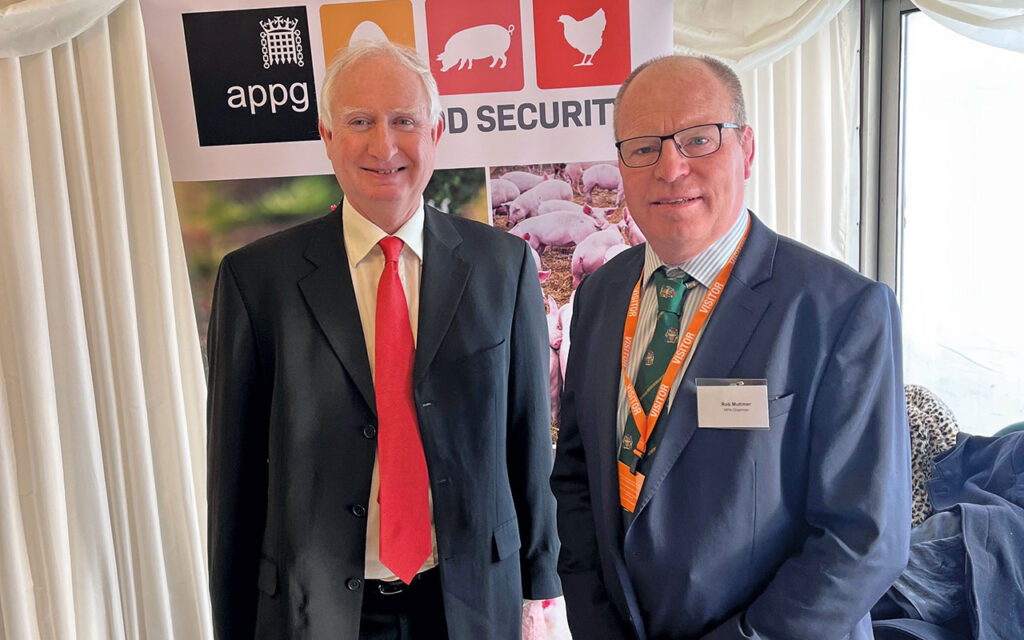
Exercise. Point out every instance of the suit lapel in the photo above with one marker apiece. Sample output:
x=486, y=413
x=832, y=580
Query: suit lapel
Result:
x=728, y=331
x=332, y=300
x=442, y=283
x=605, y=376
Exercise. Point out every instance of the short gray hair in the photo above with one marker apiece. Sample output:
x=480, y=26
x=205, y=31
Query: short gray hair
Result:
x=719, y=69
x=351, y=54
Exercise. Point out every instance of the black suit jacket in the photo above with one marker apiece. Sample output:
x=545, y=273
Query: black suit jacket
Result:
x=292, y=432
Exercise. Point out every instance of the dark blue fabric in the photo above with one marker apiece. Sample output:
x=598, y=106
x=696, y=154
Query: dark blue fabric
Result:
x=908, y=629
x=966, y=569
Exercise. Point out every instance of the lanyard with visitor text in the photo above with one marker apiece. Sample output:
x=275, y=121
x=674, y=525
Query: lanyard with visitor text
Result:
x=630, y=480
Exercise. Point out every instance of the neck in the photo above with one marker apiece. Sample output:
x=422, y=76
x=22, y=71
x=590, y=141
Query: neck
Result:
x=389, y=220
x=672, y=255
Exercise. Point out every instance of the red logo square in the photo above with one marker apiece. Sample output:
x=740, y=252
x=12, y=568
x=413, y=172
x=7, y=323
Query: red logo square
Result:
x=581, y=43
x=475, y=47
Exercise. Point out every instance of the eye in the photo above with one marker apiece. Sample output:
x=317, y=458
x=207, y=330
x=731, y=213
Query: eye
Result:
x=643, y=148
x=697, y=141
x=359, y=123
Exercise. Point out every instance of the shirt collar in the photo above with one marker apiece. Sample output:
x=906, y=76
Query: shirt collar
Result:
x=704, y=266
x=361, y=236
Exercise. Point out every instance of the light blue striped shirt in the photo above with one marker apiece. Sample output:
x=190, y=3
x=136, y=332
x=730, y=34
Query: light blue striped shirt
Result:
x=704, y=268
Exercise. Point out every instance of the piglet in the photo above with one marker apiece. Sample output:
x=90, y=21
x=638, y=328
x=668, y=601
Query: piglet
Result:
x=522, y=179
x=558, y=229
x=554, y=368
x=549, y=206
x=573, y=172
x=503, y=191
x=604, y=176
x=614, y=250
x=543, y=275
x=590, y=253
x=633, y=233
x=527, y=204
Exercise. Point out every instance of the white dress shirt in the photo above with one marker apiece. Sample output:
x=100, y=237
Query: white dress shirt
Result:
x=703, y=268
x=366, y=263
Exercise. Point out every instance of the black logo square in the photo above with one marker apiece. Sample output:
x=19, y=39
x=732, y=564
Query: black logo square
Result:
x=252, y=75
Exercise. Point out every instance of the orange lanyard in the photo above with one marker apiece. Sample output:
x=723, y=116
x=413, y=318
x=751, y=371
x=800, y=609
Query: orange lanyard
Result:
x=644, y=423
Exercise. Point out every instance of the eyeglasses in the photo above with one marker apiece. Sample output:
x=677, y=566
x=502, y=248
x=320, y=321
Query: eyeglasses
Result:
x=692, y=142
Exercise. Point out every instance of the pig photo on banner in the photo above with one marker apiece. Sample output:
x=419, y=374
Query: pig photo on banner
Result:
x=574, y=218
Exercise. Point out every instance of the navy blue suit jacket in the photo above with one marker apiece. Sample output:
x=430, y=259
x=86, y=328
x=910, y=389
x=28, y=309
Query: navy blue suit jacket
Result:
x=292, y=432
x=790, y=532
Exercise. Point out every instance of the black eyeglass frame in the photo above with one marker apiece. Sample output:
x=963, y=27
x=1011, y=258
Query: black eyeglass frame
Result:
x=679, y=148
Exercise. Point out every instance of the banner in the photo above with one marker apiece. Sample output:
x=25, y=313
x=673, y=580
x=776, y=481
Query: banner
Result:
x=521, y=81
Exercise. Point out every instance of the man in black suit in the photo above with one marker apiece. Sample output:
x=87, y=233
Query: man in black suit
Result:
x=360, y=485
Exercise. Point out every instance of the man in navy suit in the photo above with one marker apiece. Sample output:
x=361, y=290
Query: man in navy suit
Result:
x=362, y=486
x=745, y=473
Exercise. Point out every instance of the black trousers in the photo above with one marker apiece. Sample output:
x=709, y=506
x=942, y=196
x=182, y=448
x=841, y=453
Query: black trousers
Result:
x=414, y=613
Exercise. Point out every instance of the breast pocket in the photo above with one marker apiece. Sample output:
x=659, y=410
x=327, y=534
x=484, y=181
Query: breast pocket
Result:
x=778, y=408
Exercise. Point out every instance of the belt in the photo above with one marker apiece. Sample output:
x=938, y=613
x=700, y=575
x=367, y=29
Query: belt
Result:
x=395, y=587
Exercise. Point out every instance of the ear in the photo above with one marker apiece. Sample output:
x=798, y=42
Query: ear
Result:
x=747, y=144
x=325, y=134
x=437, y=131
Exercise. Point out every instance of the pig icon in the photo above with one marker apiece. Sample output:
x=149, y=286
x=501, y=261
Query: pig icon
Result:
x=482, y=41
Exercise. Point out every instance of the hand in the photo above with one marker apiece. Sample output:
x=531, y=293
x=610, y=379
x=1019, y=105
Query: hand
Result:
x=534, y=627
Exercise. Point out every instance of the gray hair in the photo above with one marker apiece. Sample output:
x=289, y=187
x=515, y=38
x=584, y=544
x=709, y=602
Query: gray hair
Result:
x=719, y=69
x=349, y=55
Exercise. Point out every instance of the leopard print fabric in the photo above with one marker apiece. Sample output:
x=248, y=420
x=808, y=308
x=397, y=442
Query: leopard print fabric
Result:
x=933, y=430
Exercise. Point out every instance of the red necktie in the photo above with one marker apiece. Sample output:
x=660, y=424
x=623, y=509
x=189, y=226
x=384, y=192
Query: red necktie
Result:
x=403, y=498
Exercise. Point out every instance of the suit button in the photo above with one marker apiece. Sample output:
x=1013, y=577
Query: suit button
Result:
x=354, y=584
x=358, y=510
x=369, y=432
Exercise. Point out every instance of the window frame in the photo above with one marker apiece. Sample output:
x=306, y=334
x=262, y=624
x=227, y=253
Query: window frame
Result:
x=882, y=70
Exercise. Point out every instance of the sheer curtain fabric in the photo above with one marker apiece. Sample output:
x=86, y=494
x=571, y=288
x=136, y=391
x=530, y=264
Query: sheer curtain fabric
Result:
x=102, y=393
x=747, y=34
x=798, y=62
x=999, y=23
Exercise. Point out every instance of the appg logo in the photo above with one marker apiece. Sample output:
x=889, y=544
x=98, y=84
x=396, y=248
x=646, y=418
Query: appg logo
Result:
x=251, y=77
x=282, y=42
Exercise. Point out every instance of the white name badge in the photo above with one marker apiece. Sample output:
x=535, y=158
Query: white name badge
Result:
x=724, y=403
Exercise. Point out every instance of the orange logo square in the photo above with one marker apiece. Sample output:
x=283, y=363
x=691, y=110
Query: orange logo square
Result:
x=353, y=21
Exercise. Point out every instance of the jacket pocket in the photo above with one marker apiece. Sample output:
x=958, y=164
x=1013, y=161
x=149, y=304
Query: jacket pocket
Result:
x=477, y=355
x=506, y=539
x=781, y=405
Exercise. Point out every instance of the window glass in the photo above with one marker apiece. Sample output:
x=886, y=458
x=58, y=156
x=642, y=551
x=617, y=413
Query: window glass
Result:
x=963, y=213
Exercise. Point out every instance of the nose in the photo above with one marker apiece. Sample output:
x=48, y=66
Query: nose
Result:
x=672, y=164
x=382, y=142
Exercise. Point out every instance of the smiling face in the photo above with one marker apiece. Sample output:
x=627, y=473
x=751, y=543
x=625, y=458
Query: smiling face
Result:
x=683, y=205
x=382, y=142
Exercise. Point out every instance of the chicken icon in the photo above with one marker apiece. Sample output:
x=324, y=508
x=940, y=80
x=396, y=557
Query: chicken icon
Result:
x=584, y=35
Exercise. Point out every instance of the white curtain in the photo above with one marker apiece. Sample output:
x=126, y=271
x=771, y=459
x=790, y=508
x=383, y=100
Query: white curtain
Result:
x=102, y=449
x=799, y=66
x=999, y=23
x=803, y=109
x=749, y=34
